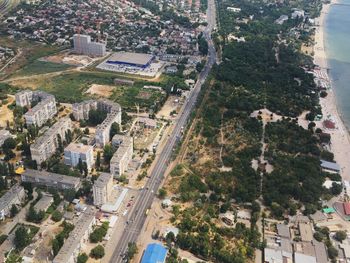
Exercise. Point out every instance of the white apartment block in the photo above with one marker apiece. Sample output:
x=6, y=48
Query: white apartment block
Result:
x=122, y=157
x=102, y=189
x=81, y=110
x=46, y=145
x=14, y=196
x=40, y=113
x=83, y=45
x=78, y=238
x=114, y=114
x=75, y=151
x=24, y=98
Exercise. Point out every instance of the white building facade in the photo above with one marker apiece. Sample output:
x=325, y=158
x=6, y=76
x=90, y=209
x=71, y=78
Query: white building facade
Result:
x=102, y=189
x=75, y=151
x=83, y=45
x=122, y=157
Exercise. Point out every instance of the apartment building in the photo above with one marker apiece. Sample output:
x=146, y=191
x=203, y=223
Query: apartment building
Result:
x=24, y=98
x=78, y=238
x=44, y=178
x=81, y=110
x=46, y=145
x=122, y=157
x=75, y=151
x=14, y=196
x=4, y=135
x=114, y=114
x=102, y=189
x=40, y=113
x=83, y=45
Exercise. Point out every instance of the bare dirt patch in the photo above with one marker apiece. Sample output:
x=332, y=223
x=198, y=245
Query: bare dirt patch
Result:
x=5, y=113
x=101, y=90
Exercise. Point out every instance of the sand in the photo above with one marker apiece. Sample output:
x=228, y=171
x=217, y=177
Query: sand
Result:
x=340, y=140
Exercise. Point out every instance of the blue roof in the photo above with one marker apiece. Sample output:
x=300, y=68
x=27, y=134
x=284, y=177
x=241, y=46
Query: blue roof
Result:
x=154, y=253
x=330, y=165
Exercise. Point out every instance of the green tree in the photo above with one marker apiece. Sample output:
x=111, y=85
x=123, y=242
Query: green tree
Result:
x=14, y=210
x=97, y=252
x=162, y=193
x=108, y=153
x=9, y=143
x=56, y=216
x=21, y=238
x=98, y=160
x=82, y=258
x=132, y=250
x=340, y=236
x=115, y=129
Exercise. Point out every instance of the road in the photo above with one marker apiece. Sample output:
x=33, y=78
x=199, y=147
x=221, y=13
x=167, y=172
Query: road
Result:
x=137, y=216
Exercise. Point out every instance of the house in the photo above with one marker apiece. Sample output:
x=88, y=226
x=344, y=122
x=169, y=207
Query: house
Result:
x=330, y=166
x=4, y=135
x=44, y=203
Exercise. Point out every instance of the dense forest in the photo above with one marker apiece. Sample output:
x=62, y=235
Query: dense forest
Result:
x=267, y=70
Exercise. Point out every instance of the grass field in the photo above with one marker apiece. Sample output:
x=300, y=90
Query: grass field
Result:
x=71, y=87
x=41, y=67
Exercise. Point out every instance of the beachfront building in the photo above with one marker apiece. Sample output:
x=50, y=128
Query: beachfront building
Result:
x=44, y=110
x=46, y=145
x=122, y=157
x=14, y=196
x=102, y=189
x=114, y=114
x=83, y=45
x=78, y=151
x=78, y=238
x=51, y=180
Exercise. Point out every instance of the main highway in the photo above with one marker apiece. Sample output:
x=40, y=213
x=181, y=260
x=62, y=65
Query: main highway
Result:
x=144, y=200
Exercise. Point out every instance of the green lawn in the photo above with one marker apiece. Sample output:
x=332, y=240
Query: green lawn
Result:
x=41, y=67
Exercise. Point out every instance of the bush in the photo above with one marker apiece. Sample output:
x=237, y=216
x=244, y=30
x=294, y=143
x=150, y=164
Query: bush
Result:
x=97, y=252
x=2, y=238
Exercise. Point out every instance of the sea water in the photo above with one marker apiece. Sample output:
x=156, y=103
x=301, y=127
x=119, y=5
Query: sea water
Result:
x=337, y=45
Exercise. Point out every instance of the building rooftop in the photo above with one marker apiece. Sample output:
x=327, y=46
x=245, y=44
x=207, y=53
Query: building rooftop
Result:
x=131, y=58
x=9, y=196
x=330, y=165
x=103, y=180
x=154, y=253
x=283, y=230
x=305, y=232
x=44, y=202
x=79, y=148
x=302, y=258
x=53, y=177
x=75, y=237
x=52, y=130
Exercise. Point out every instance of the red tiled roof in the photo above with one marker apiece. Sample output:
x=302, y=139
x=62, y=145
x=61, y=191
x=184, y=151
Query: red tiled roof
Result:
x=347, y=208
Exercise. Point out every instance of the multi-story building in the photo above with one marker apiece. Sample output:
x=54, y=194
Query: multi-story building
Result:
x=102, y=189
x=4, y=135
x=122, y=157
x=78, y=238
x=83, y=45
x=114, y=114
x=24, y=98
x=75, y=151
x=40, y=113
x=14, y=196
x=46, y=145
x=53, y=180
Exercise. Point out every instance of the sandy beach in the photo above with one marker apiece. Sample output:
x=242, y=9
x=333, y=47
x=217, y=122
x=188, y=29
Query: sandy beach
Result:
x=340, y=140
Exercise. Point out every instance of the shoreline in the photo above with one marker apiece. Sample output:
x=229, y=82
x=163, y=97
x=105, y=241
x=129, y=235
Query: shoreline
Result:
x=340, y=139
